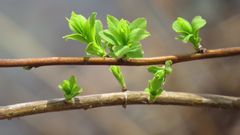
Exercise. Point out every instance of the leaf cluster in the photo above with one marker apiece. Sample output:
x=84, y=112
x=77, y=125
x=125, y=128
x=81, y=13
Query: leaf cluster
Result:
x=70, y=88
x=189, y=32
x=121, y=38
x=155, y=85
x=87, y=31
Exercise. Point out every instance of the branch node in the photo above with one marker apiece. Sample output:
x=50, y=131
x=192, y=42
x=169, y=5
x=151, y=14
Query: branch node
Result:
x=202, y=50
x=125, y=99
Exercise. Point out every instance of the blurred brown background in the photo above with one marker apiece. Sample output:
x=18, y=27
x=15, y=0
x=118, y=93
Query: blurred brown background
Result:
x=34, y=28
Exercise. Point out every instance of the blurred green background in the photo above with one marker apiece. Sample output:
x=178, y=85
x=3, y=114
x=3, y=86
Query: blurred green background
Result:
x=34, y=28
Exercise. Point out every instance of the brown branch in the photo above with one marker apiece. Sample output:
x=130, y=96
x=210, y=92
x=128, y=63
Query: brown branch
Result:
x=121, y=98
x=37, y=62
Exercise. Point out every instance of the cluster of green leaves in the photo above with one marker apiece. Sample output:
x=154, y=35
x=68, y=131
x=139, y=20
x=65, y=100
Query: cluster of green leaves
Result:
x=123, y=38
x=155, y=85
x=189, y=32
x=70, y=88
x=87, y=31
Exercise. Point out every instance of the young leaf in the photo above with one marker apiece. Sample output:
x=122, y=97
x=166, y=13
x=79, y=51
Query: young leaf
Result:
x=112, y=22
x=99, y=27
x=77, y=37
x=92, y=19
x=124, y=31
x=155, y=85
x=158, y=80
x=135, y=51
x=70, y=88
x=182, y=26
x=197, y=23
x=123, y=38
x=119, y=51
x=76, y=22
x=94, y=49
x=116, y=71
x=154, y=69
x=168, y=67
x=87, y=31
x=108, y=37
x=138, y=34
x=153, y=94
x=138, y=23
x=189, y=32
x=187, y=38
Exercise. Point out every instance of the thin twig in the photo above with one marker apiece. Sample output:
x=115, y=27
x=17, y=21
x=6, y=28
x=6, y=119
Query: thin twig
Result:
x=37, y=62
x=113, y=99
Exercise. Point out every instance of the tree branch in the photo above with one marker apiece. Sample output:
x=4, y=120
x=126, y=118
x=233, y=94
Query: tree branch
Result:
x=37, y=62
x=121, y=98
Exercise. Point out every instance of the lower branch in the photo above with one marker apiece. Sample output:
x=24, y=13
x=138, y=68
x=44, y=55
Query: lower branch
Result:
x=121, y=98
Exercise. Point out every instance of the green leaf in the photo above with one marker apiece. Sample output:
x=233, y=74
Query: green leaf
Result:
x=138, y=34
x=168, y=67
x=182, y=26
x=116, y=71
x=155, y=85
x=92, y=19
x=99, y=27
x=70, y=88
x=87, y=31
x=124, y=31
x=186, y=39
x=123, y=38
x=112, y=22
x=135, y=51
x=120, y=51
x=79, y=25
x=76, y=22
x=158, y=80
x=139, y=23
x=168, y=63
x=154, y=69
x=113, y=28
x=77, y=37
x=93, y=49
x=153, y=94
x=154, y=88
x=189, y=32
x=109, y=37
x=197, y=23
x=181, y=37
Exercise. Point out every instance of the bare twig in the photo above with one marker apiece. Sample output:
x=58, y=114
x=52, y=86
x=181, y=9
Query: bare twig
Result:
x=37, y=62
x=113, y=99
